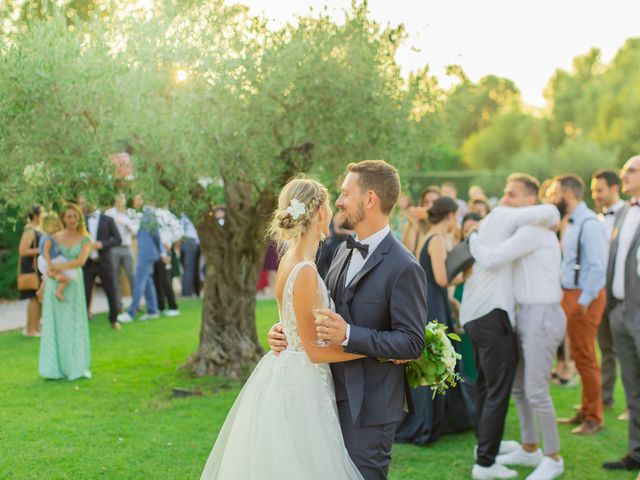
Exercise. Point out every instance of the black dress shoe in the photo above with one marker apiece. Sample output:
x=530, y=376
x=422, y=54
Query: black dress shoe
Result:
x=625, y=463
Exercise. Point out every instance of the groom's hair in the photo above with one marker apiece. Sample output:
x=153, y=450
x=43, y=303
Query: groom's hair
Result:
x=380, y=177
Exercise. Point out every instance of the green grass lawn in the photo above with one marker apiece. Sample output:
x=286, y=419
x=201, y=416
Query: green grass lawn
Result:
x=125, y=424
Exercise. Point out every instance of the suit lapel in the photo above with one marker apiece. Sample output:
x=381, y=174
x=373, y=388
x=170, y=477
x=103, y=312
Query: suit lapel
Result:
x=373, y=260
x=614, y=241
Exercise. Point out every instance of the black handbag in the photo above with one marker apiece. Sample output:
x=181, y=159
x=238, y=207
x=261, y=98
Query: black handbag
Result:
x=458, y=260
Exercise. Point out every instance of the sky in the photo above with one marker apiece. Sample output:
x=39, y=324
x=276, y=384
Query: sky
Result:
x=525, y=41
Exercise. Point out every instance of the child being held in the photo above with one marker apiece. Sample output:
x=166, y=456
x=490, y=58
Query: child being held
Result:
x=50, y=255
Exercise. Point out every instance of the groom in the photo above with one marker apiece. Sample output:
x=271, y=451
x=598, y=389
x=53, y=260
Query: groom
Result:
x=380, y=294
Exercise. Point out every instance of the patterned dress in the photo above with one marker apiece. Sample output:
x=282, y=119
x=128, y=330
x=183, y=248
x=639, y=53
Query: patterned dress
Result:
x=65, y=351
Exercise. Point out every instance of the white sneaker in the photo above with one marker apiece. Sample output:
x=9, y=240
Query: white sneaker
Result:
x=521, y=458
x=125, y=318
x=495, y=471
x=150, y=316
x=172, y=313
x=547, y=470
x=506, y=446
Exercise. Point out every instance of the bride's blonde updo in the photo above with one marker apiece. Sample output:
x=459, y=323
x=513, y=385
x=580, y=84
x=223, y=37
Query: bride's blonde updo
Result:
x=298, y=204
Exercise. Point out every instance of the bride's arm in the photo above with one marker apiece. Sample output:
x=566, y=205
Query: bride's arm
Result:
x=303, y=296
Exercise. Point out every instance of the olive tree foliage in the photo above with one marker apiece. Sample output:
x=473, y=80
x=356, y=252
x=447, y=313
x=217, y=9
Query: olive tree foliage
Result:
x=218, y=109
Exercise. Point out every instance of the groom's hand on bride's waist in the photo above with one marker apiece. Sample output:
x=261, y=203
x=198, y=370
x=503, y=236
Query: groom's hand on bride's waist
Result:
x=334, y=328
x=277, y=339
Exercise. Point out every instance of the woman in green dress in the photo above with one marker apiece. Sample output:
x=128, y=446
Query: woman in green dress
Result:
x=64, y=343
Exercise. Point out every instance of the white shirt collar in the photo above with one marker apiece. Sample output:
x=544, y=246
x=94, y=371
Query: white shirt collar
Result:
x=616, y=206
x=375, y=239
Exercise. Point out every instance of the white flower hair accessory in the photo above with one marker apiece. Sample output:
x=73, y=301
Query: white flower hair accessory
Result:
x=296, y=209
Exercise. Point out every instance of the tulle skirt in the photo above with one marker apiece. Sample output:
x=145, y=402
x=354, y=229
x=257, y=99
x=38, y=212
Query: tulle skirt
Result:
x=283, y=425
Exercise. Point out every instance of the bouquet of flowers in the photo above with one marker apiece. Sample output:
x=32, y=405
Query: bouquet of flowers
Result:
x=436, y=367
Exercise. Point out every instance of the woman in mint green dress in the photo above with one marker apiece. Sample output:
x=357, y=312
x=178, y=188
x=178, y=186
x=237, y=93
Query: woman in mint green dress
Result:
x=64, y=343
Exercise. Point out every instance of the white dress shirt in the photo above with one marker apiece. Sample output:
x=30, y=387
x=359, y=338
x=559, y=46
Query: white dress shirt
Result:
x=489, y=289
x=357, y=261
x=625, y=237
x=537, y=260
x=92, y=226
x=171, y=229
x=126, y=226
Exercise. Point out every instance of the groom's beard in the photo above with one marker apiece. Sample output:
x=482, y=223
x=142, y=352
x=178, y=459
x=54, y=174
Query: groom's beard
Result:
x=349, y=222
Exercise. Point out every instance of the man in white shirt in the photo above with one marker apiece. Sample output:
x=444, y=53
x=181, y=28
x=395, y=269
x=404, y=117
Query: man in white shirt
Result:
x=623, y=305
x=122, y=255
x=540, y=328
x=488, y=313
x=605, y=192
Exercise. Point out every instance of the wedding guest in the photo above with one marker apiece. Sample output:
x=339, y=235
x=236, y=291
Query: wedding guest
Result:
x=583, y=279
x=49, y=253
x=105, y=236
x=150, y=250
x=418, y=225
x=449, y=189
x=469, y=223
x=435, y=416
x=487, y=314
x=540, y=328
x=65, y=351
x=476, y=191
x=28, y=252
x=605, y=191
x=122, y=254
x=170, y=231
x=266, y=284
x=479, y=205
x=623, y=285
x=190, y=258
x=400, y=219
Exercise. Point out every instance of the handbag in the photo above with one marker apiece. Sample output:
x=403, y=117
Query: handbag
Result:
x=458, y=260
x=28, y=281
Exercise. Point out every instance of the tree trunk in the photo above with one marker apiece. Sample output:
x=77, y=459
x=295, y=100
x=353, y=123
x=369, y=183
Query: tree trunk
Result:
x=234, y=256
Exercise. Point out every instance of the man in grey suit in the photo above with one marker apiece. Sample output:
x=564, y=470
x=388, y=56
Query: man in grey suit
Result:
x=380, y=295
x=623, y=285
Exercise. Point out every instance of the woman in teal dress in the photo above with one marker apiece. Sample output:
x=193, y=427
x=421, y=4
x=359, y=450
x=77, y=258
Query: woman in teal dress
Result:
x=64, y=343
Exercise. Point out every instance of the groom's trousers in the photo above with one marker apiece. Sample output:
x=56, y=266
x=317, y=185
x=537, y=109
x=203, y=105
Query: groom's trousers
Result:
x=495, y=349
x=369, y=447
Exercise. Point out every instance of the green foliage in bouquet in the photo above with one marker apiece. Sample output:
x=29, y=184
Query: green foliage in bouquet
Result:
x=436, y=367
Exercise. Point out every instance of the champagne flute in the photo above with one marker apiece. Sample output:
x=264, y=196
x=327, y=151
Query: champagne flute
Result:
x=321, y=301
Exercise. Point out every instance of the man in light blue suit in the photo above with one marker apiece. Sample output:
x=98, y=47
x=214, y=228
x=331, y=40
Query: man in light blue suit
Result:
x=150, y=249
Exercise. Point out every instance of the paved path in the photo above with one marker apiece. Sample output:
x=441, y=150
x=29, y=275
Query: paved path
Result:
x=13, y=315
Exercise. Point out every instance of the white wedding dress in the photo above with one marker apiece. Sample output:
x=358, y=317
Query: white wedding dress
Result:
x=284, y=424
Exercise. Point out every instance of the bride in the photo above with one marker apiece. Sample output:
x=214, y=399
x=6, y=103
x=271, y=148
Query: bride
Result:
x=284, y=424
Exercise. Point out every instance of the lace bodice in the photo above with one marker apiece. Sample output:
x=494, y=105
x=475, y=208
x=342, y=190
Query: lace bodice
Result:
x=287, y=314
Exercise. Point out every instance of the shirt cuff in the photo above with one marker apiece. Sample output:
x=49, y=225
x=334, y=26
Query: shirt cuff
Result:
x=346, y=340
x=586, y=298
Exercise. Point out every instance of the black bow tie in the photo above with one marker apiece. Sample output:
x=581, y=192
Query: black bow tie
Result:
x=353, y=243
x=609, y=212
x=634, y=202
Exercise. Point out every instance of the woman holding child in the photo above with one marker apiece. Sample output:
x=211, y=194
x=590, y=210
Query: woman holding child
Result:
x=64, y=343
